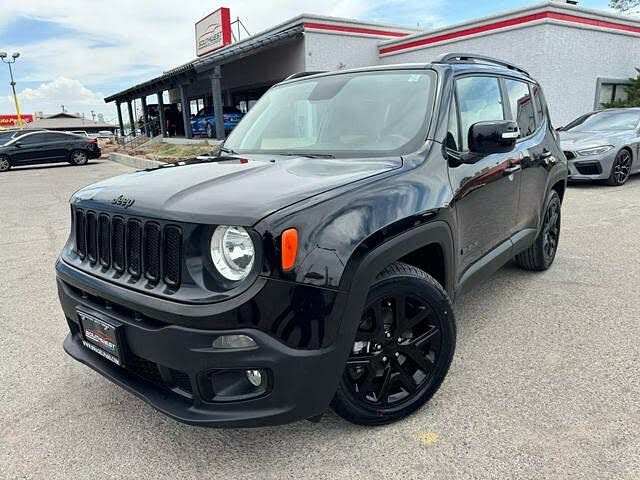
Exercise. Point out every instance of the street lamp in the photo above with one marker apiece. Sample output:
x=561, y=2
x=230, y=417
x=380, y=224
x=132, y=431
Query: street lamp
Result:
x=3, y=57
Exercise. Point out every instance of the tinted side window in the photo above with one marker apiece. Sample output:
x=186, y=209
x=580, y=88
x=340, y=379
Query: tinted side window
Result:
x=55, y=137
x=30, y=139
x=521, y=106
x=479, y=100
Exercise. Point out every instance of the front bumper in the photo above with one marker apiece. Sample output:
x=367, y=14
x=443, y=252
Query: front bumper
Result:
x=592, y=167
x=167, y=365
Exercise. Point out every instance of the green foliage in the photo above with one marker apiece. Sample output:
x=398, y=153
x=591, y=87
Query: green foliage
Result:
x=624, y=6
x=633, y=93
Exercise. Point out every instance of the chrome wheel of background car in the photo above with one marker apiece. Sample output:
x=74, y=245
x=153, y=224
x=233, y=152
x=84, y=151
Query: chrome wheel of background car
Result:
x=621, y=168
x=551, y=229
x=396, y=350
x=78, y=158
x=209, y=131
x=4, y=164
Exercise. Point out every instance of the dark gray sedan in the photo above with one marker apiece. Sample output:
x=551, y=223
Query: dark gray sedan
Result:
x=603, y=145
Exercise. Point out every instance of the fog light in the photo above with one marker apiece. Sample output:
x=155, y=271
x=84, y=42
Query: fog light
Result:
x=254, y=377
x=233, y=341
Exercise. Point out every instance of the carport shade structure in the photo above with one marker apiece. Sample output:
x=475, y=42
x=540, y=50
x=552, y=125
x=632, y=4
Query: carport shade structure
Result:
x=182, y=77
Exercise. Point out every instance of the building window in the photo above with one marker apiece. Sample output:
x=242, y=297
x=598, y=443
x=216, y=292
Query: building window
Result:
x=610, y=90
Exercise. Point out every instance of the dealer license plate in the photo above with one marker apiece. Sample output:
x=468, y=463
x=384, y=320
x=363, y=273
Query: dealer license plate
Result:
x=100, y=336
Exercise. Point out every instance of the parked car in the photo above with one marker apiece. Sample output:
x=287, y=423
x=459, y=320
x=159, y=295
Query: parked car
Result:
x=603, y=145
x=7, y=135
x=204, y=122
x=79, y=132
x=46, y=146
x=105, y=134
x=314, y=262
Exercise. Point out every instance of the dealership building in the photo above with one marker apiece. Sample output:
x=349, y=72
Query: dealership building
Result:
x=582, y=57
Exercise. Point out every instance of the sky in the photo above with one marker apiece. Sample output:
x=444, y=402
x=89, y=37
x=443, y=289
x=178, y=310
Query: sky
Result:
x=74, y=53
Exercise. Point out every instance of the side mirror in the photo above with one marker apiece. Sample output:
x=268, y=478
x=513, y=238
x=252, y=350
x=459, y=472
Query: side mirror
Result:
x=17, y=144
x=493, y=137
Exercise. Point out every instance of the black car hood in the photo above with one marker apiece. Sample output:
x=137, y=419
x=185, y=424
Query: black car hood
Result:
x=238, y=191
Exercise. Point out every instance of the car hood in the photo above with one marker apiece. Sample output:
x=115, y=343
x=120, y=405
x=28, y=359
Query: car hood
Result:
x=238, y=191
x=573, y=141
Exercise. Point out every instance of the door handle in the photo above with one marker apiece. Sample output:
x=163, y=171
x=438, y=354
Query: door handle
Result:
x=511, y=170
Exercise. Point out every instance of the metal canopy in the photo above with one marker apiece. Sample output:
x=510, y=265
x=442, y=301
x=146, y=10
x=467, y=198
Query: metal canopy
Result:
x=172, y=78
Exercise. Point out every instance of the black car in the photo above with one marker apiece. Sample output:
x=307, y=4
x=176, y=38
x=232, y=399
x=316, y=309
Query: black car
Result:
x=29, y=147
x=314, y=261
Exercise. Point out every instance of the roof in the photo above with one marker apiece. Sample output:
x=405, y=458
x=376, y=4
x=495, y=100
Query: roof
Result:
x=68, y=121
x=556, y=12
x=288, y=30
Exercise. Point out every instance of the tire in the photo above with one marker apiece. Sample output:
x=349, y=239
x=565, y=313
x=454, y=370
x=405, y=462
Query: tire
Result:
x=78, y=157
x=394, y=367
x=211, y=133
x=5, y=164
x=542, y=253
x=620, y=169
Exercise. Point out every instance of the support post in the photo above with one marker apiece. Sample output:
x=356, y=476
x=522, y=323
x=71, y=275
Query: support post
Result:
x=216, y=90
x=119, y=109
x=145, y=116
x=163, y=121
x=132, y=124
x=186, y=112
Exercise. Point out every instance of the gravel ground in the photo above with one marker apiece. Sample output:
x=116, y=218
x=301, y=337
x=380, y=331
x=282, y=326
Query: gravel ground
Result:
x=545, y=382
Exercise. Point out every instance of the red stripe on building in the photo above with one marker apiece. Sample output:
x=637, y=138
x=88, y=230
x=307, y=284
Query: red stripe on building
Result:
x=365, y=31
x=510, y=23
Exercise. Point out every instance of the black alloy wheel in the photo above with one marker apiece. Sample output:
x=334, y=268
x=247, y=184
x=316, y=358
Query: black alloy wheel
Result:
x=402, y=350
x=621, y=168
x=551, y=231
x=542, y=253
x=5, y=164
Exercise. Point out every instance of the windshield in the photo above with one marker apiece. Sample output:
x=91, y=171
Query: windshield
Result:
x=357, y=114
x=606, y=120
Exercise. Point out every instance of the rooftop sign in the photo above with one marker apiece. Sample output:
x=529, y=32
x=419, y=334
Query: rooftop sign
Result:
x=213, y=31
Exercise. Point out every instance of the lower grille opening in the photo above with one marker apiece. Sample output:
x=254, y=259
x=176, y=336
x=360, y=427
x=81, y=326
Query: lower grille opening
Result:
x=182, y=381
x=144, y=369
x=589, y=168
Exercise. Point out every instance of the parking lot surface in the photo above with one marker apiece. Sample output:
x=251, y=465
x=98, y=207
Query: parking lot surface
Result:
x=545, y=382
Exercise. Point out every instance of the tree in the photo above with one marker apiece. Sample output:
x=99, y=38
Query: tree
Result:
x=624, y=6
x=633, y=94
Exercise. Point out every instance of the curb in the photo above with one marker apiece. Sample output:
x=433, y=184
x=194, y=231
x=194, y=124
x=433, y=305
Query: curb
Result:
x=135, y=162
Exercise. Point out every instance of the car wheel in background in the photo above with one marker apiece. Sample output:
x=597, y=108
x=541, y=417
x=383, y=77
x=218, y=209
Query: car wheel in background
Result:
x=78, y=157
x=541, y=254
x=210, y=131
x=621, y=168
x=5, y=164
x=402, y=350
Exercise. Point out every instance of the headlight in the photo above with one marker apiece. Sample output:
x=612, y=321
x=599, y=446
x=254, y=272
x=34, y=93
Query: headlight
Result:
x=595, y=150
x=232, y=252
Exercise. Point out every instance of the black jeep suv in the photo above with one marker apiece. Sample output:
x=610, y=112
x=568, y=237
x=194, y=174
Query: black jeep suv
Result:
x=313, y=261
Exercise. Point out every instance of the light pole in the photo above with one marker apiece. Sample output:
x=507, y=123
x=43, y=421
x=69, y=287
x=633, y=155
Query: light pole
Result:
x=3, y=56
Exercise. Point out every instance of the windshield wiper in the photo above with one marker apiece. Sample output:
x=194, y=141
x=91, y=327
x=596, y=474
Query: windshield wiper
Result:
x=307, y=155
x=227, y=150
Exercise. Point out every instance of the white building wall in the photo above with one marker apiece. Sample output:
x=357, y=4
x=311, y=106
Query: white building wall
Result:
x=567, y=60
x=328, y=51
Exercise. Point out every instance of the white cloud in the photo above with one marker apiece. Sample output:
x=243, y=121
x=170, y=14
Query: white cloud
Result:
x=49, y=97
x=119, y=43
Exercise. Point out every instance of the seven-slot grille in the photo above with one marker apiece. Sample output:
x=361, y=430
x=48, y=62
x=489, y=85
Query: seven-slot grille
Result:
x=141, y=248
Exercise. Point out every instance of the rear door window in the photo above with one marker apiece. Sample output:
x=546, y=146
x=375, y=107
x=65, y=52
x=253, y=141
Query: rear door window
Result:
x=521, y=105
x=479, y=100
x=537, y=103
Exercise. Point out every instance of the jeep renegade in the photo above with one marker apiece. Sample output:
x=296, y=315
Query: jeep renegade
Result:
x=313, y=261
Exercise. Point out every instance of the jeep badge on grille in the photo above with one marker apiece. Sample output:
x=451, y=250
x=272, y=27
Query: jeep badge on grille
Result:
x=123, y=201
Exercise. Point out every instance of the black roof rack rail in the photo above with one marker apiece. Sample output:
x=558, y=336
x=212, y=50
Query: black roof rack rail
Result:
x=471, y=57
x=303, y=74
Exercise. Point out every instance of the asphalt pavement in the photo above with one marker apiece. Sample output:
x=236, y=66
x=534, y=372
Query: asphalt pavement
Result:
x=545, y=382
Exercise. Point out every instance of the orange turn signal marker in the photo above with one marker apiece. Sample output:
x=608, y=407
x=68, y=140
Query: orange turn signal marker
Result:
x=289, y=248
